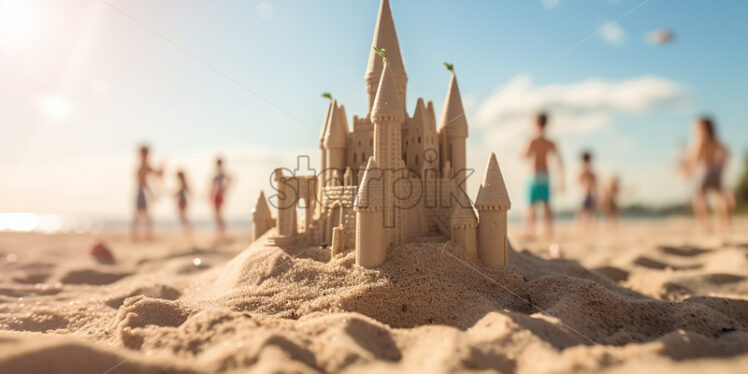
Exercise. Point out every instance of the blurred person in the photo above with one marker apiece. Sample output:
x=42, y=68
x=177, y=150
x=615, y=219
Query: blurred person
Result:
x=182, y=197
x=143, y=193
x=706, y=160
x=219, y=186
x=609, y=201
x=588, y=181
x=538, y=151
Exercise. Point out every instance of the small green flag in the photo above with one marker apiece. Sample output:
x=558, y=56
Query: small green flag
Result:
x=327, y=95
x=450, y=67
x=381, y=52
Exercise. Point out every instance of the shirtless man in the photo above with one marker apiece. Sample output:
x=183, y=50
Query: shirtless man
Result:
x=707, y=160
x=538, y=151
x=143, y=194
x=588, y=182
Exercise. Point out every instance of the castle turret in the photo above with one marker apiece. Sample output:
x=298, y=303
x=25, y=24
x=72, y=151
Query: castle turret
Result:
x=371, y=246
x=335, y=140
x=492, y=204
x=262, y=219
x=465, y=227
x=387, y=116
x=385, y=37
x=286, y=203
x=453, y=132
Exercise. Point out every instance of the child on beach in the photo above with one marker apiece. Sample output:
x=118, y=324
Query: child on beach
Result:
x=219, y=186
x=182, y=200
x=609, y=201
x=588, y=182
x=538, y=152
x=143, y=193
x=706, y=160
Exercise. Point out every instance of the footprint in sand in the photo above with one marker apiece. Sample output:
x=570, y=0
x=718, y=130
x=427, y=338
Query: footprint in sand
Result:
x=91, y=276
x=683, y=251
x=658, y=265
x=613, y=273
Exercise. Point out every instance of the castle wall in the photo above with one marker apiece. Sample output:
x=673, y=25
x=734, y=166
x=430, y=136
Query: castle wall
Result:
x=343, y=196
x=360, y=144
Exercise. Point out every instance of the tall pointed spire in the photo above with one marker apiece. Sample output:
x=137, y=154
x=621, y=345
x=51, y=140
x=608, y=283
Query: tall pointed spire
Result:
x=492, y=193
x=385, y=37
x=330, y=109
x=336, y=131
x=453, y=117
x=387, y=104
x=262, y=220
x=261, y=210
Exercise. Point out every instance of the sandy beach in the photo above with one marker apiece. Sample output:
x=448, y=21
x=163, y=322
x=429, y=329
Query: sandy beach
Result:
x=653, y=297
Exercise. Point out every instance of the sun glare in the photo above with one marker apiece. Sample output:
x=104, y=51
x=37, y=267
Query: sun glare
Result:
x=18, y=21
x=55, y=107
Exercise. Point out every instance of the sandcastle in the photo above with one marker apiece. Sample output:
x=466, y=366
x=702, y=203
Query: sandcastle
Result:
x=394, y=179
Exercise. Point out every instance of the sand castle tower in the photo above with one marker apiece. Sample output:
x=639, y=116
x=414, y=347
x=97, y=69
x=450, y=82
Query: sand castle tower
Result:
x=385, y=37
x=334, y=140
x=464, y=226
x=262, y=219
x=492, y=204
x=453, y=131
x=388, y=116
x=286, y=220
x=371, y=245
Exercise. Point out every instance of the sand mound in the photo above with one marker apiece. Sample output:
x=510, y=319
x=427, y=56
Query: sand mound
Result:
x=421, y=285
x=155, y=291
x=25, y=354
x=268, y=309
x=40, y=320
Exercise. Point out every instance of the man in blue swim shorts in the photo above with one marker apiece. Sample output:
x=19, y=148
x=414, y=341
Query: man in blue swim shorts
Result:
x=538, y=151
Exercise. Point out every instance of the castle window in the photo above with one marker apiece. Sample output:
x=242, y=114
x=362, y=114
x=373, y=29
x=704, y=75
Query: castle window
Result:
x=363, y=157
x=416, y=159
x=354, y=157
x=371, y=142
x=405, y=157
x=419, y=140
x=359, y=143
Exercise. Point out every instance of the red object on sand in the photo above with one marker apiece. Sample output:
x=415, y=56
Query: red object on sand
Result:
x=101, y=253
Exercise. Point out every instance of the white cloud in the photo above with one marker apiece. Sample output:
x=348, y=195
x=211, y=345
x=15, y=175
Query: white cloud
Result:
x=613, y=33
x=549, y=4
x=589, y=103
x=264, y=10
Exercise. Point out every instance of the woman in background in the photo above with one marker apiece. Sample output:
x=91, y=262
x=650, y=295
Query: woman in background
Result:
x=219, y=186
x=182, y=202
x=706, y=160
x=609, y=201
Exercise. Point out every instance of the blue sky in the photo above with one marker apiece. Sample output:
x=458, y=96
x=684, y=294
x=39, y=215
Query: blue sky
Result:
x=84, y=83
